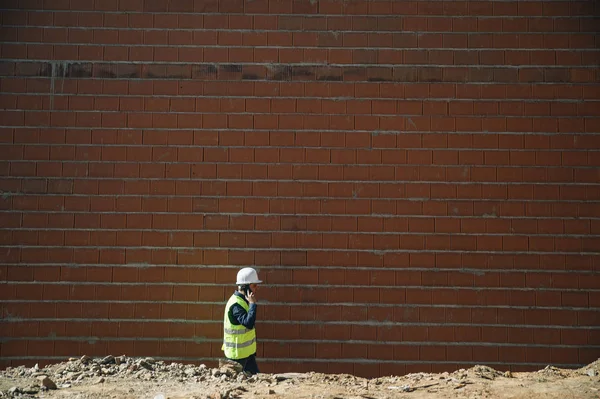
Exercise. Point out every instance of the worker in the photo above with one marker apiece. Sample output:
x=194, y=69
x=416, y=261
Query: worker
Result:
x=239, y=335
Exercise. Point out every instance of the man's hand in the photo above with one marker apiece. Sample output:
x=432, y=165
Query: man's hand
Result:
x=250, y=297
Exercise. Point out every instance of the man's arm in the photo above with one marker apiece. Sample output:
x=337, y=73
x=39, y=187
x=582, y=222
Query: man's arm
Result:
x=238, y=315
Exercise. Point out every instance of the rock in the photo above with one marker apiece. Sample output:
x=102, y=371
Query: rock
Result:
x=145, y=364
x=271, y=392
x=14, y=390
x=508, y=374
x=235, y=366
x=48, y=383
x=108, y=360
x=591, y=372
x=189, y=372
x=485, y=372
x=288, y=376
x=140, y=373
x=85, y=359
x=549, y=370
x=100, y=380
x=403, y=388
x=73, y=374
x=31, y=389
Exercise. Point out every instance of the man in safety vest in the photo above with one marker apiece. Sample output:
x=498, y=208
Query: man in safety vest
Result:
x=239, y=335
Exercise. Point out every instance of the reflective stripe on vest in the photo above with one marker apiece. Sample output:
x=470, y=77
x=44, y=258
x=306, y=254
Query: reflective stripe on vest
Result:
x=238, y=341
x=243, y=345
x=229, y=331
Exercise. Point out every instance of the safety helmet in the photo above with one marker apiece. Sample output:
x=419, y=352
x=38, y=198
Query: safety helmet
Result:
x=247, y=275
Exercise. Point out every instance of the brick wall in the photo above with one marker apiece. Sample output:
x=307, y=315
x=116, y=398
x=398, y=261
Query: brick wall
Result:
x=417, y=182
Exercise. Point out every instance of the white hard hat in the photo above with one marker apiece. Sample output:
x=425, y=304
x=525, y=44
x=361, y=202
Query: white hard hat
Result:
x=247, y=275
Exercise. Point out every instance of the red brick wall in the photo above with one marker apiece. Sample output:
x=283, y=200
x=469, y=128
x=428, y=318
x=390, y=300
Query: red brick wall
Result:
x=417, y=181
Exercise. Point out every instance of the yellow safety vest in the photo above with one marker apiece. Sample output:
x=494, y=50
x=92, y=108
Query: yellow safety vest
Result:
x=238, y=341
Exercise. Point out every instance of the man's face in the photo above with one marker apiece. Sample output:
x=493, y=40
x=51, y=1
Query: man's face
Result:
x=254, y=287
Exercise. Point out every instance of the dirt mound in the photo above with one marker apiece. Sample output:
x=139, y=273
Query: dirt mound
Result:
x=126, y=377
x=592, y=369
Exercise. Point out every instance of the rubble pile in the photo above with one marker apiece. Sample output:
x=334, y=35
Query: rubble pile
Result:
x=428, y=381
x=86, y=370
x=130, y=377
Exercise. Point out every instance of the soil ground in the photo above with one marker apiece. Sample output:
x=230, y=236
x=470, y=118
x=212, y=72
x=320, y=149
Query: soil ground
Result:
x=129, y=378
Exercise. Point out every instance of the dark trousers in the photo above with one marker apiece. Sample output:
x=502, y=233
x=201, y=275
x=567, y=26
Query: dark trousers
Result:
x=249, y=364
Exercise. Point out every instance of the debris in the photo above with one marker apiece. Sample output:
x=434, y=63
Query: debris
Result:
x=403, y=388
x=591, y=372
x=288, y=376
x=143, y=377
x=486, y=372
x=408, y=388
x=31, y=390
x=229, y=364
x=425, y=386
x=47, y=383
x=145, y=364
x=108, y=360
x=551, y=370
x=190, y=372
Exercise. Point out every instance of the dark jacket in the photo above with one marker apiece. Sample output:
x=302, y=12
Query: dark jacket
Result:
x=238, y=315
